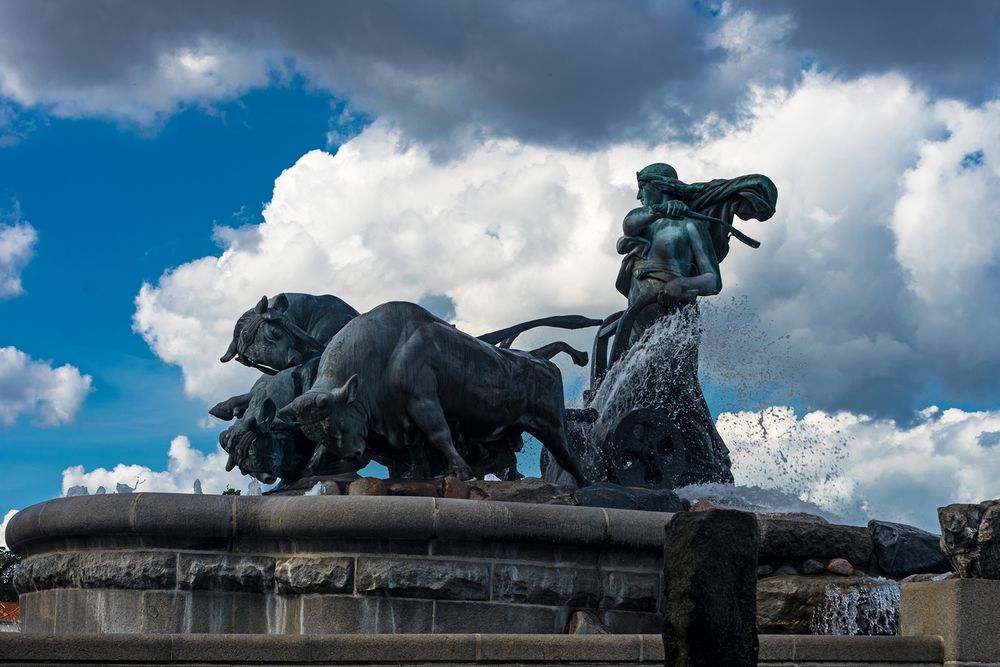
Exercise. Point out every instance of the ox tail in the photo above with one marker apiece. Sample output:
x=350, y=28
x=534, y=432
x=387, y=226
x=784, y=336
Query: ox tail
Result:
x=579, y=357
x=505, y=337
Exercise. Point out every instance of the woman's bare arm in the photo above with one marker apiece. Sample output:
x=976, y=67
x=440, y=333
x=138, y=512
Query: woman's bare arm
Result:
x=638, y=219
x=708, y=281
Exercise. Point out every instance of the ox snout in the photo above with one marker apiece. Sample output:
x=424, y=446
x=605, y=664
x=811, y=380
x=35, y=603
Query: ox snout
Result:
x=352, y=450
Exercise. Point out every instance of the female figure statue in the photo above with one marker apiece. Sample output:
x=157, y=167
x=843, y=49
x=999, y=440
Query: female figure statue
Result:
x=673, y=245
x=674, y=242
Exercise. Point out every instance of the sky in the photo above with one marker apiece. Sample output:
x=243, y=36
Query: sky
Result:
x=162, y=166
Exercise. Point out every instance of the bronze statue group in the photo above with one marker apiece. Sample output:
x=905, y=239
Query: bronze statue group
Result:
x=400, y=386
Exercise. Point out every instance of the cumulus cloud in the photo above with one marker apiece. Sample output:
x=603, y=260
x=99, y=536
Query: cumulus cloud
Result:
x=3, y=527
x=860, y=468
x=511, y=231
x=855, y=38
x=48, y=395
x=440, y=69
x=578, y=74
x=506, y=233
x=184, y=465
x=947, y=249
x=17, y=246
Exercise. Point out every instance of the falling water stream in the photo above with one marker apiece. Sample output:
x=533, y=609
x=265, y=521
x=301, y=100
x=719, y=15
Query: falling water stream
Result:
x=786, y=468
x=868, y=609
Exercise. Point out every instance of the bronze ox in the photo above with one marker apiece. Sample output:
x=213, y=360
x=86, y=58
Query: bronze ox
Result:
x=401, y=375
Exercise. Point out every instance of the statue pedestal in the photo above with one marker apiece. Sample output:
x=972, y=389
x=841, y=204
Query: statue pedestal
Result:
x=963, y=612
x=170, y=563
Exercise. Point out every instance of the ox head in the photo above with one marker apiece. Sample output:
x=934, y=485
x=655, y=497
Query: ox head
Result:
x=265, y=338
x=331, y=419
x=262, y=447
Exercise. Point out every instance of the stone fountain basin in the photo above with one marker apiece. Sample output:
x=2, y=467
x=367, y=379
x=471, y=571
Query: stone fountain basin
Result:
x=178, y=563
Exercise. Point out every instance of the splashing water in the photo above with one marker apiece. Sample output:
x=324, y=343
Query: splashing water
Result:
x=751, y=379
x=872, y=609
x=743, y=361
x=806, y=457
x=651, y=370
x=756, y=381
x=753, y=499
x=659, y=371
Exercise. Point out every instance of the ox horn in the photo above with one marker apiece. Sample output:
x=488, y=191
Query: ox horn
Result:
x=231, y=352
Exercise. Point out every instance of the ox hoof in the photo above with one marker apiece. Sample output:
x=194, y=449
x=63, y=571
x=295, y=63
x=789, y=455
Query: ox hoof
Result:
x=464, y=474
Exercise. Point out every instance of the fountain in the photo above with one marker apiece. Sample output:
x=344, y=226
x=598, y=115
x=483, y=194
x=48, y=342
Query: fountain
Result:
x=435, y=549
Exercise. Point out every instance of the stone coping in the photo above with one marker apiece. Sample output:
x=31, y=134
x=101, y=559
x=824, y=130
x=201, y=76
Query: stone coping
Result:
x=803, y=649
x=134, y=517
x=442, y=649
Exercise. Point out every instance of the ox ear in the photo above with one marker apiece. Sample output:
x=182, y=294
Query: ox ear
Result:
x=267, y=412
x=279, y=304
x=350, y=390
x=261, y=306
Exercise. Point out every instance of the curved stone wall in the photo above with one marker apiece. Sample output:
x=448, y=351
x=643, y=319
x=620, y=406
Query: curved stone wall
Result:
x=169, y=563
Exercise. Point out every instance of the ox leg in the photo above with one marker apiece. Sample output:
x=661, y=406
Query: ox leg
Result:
x=552, y=435
x=428, y=417
x=319, y=452
x=419, y=467
x=514, y=444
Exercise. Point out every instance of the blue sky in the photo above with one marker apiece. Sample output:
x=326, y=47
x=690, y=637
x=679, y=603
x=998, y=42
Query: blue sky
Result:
x=115, y=206
x=152, y=189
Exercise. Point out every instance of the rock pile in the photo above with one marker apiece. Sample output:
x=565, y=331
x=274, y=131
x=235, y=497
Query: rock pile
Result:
x=793, y=544
x=527, y=490
x=970, y=537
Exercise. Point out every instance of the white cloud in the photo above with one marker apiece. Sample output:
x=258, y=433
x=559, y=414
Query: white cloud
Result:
x=50, y=396
x=202, y=73
x=458, y=71
x=3, y=527
x=862, y=468
x=510, y=231
x=17, y=245
x=184, y=465
x=948, y=248
x=442, y=73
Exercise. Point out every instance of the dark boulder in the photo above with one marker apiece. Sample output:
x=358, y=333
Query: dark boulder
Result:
x=902, y=550
x=782, y=540
x=606, y=494
x=813, y=566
